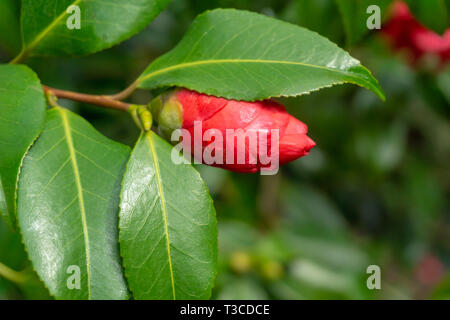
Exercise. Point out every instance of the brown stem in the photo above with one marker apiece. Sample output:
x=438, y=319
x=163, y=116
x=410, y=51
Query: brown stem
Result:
x=125, y=93
x=102, y=101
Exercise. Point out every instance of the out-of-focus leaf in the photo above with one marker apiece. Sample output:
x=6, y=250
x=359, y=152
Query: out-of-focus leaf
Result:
x=235, y=236
x=319, y=16
x=103, y=24
x=12, y=252
x=33, y=288
x=168, y=233
x=10, y=26
x=272, y=247
x=22, y=116
x=67, y=208
x=311, y=209
x=13, y=255
x=442, y=290
x=214, y=177
x=239, y=197
x=246, y=56
x=324, y=278
x=287, y=289
x=342, y=286
x=354, y=16
x=242, y=289
x=434, y=14
x=443, y=82
x=381, y=148
x=340, y=254
x=424, y=197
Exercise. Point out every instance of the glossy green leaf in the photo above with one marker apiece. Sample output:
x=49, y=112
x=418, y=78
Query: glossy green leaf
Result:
x=354, y=16
x=168, y=232
x=434, y=14
x=22, y=116
x=3, y=207
x=103, y=24
x=243, y=55
x=68, y=208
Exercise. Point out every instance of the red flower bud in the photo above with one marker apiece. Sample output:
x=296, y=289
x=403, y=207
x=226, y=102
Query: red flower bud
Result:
x=406, y=33
x=266, y=122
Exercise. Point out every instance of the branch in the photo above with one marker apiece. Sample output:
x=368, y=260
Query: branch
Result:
x=12, y=275
x=19, y=58
x=101, y=101
x=125, y=93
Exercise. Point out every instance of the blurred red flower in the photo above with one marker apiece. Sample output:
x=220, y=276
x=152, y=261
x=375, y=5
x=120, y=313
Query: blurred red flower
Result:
x=406, y=33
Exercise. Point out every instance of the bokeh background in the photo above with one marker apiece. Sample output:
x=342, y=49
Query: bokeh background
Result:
x=375, y=190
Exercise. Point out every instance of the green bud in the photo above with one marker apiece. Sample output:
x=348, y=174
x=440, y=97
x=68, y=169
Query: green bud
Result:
x=155, y=106
x=146, y=119
x=168, y=112
x=141, y=116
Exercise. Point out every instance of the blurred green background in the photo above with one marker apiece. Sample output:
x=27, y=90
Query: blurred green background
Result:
x=375, y=190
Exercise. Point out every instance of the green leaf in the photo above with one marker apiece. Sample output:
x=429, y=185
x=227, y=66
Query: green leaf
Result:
x=168, y=232
x=104, y=23
x=3, y=207
x=243, y=288
x=22, y=116
x=434, y=14
x=68, y=208
x=10, y=26
x=354, y=16
x=247, y=56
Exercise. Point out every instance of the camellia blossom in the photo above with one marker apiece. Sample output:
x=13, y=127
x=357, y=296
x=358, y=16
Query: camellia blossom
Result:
x=237, y=135
x=406, y=33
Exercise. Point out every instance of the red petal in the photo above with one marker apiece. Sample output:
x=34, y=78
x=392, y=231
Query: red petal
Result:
x=295, y=143
x=197, y=106
x=260, y=117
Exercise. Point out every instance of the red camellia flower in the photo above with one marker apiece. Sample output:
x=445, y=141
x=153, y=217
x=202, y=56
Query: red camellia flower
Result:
x=239, y=136
x=406, y=33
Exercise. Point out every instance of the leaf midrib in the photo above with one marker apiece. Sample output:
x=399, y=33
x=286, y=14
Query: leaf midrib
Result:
x=295, y=63
x=218, y=61
x=76, y=173
x=163, y=206
x=49, y=28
